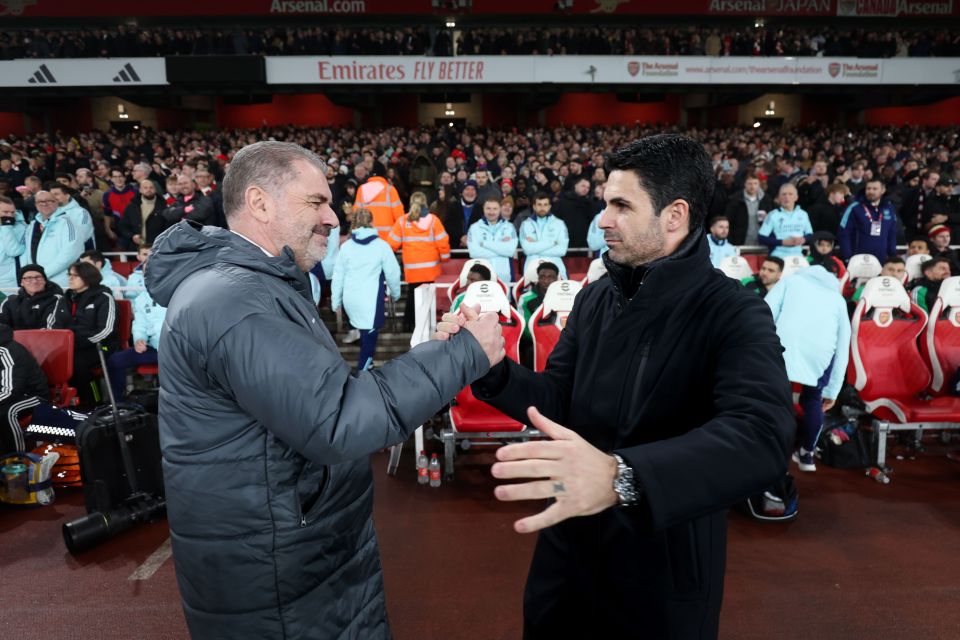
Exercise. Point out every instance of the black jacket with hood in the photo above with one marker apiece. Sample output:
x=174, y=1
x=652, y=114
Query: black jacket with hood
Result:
x=265, y=437
x=679, y=370
x=92, y=316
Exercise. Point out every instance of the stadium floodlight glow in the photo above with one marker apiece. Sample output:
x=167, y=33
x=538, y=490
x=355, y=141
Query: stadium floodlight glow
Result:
x=121, y=112
x=771, y=109
x=449, y=111
x=756, y=125
x=451, y=23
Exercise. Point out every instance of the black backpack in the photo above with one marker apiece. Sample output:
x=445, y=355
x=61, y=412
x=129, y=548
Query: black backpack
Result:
x=853, y=451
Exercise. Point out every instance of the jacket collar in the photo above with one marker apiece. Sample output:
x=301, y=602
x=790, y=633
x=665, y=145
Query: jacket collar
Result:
x=680, y=270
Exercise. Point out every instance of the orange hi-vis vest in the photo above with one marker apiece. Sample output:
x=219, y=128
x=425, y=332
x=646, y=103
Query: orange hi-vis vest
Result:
x=425, y=244
x=383, y=201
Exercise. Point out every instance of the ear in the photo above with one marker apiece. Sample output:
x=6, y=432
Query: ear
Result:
x=259, y=203
x=676, y=216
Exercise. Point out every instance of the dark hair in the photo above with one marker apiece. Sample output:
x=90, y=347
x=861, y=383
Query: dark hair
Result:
x=669, y=167
x=924, y=239
x=6, y=200
x=718, y=219
x=94, y=255
x=482, y=270
x=895, y=260
x=932, y=262
x=88, y=273
x=542, y=195
x=549, y=266
x=145, y=245
x=491, y=199
x=112, y=169
x=775, y=260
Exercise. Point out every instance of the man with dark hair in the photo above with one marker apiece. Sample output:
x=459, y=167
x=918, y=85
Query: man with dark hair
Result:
x=895, y=267
x=109, y=277
x=916, y=211
x=924, y=290
x=547, y=274
x=544, y=235
x=477, y=273
x=719, y=241
x=825, y=214
x=771, y=270
x=869, y=225
x=918, y=244
x=576, y=209
x=663, y=432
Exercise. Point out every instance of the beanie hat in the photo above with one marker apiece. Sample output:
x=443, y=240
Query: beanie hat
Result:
x=936, y=230
x=32, y=267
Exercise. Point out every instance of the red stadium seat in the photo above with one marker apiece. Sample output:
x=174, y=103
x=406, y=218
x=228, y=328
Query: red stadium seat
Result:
x=886, y=366
x=941, y=340
x=529, y=276
x=124, y=268
x=472, y=419
x=124, y=323
x=53, y=350
x=550, y=318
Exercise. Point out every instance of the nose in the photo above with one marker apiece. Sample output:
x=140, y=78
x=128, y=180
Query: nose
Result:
x=328, y=217
x=606, y=220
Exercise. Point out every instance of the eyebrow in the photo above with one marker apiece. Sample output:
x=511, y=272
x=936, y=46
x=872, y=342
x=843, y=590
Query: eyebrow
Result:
x=317, y=196
x=620, y=202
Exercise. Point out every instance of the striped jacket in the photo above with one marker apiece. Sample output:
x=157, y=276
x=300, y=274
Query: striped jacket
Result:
x=425, y=244
x=91, y=315
x=383, y=201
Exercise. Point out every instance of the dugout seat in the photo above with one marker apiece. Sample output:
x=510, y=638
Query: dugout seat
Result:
x=941, y=339
x=123, y=268
x=550, y=318
x=914, y=264
x=886, y=366
x=53, y=351
x=458, y=285
x=596, y=271
x=529, y=277
x=736, y=267
x=861, y=268
x=792, y=264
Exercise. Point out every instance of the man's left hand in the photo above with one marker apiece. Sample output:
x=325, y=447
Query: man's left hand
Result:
x=571, y=470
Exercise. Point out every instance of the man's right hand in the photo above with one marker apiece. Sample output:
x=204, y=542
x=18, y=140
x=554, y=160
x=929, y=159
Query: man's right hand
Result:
x=485, y=328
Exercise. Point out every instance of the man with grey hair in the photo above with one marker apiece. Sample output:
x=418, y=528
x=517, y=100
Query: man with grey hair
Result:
x=265, y=432
x=143, y=171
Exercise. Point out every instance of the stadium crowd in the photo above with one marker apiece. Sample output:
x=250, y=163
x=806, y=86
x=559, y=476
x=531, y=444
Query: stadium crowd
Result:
x=426, y=193
x=745, y=40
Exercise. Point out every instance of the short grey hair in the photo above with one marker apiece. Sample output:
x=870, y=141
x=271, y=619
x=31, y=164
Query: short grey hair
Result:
x=143, y=166
x=268, y=165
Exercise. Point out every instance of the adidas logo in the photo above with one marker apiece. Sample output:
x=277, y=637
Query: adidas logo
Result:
x=127, y=74
x=42, y=76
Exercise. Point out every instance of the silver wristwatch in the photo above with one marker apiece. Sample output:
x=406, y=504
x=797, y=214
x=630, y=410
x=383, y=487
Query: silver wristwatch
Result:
x=623, y=483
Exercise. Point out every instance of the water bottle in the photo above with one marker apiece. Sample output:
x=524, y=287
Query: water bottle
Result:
x=434, y=471
x=423, y=476
x=878, y=475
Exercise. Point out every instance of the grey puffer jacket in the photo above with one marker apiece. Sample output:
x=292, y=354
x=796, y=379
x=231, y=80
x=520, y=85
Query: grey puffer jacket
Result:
x=265, y=436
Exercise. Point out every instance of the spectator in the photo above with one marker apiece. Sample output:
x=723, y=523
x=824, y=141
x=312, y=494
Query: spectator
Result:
x=856, y=178
x=919, y=244
x=718, y=241
x=915, y=214
x=494, y=239
x=189, y=205
x=827, y=213
x=116, y=198
x=476, y=273
x=462, y=213
x=89, y=310
x=940, y=239
x=925, y=289
x=34, y=305
x=771, y=270
x=10, y=245
x=869, y=225
x=22, y=387
x=576, y=209
x=141, y=221
x=547, y=274
x=424, y=244
x=813, y=326
x=595, y=240
x=64, y=196
x=108, y=277
x=786, y=229
x=543, y=235
x=365, y=270
x=486, y=187
x=746, y=211
x=94, y=197
x=147, y=322
x=208, y=189
x=52, y=240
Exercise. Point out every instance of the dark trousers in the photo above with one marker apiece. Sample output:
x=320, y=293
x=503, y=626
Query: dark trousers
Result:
x=409, y=313
x=11, y=433
x=121, y=361
x=811, y=401
x=368, y=347
x=85, y=360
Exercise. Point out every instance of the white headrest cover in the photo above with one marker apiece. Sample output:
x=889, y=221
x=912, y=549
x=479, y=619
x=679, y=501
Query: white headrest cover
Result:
x=560, y=295
x=489, y=295
x=792, y=264
x=530, y=270
x=469, y=263
x=885, y=293
x=950, y=292
x=596, y=270
x=913, y=264
x=864, y=265
x=736, y=267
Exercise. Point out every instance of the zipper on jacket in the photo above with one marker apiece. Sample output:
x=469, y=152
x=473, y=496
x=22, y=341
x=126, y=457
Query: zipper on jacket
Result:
x=316, y=502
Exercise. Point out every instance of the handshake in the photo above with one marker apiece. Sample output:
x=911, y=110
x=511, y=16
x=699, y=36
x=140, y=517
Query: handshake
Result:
x=484, y=327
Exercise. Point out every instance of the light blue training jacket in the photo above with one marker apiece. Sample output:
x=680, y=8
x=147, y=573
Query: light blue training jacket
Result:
x=494, y=242
x=813, y=326
x=595, y=238
x=545, y=237
x=365, y=263
x=147, y=320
